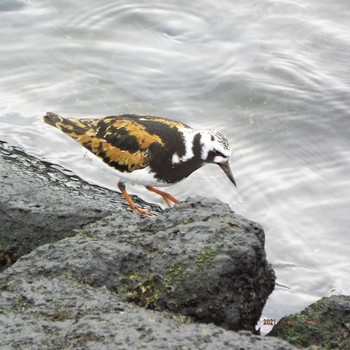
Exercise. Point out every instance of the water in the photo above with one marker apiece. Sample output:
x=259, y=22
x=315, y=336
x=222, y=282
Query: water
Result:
x=273, y=75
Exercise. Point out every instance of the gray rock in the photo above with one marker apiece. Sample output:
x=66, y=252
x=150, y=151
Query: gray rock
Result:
x=196, y=262
x=61, y=313
x=322, y=325
x=198, y=259
x=39, y=204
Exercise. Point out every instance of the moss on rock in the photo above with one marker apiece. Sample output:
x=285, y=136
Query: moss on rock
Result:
x=323, y=324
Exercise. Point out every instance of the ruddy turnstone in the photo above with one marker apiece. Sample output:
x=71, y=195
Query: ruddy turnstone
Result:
x=147, y=150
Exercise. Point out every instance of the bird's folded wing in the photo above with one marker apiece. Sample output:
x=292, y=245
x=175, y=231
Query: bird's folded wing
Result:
x=121, y=142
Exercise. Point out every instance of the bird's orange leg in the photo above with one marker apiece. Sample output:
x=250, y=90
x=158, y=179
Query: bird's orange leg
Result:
x=131, y=203
x=166, y=196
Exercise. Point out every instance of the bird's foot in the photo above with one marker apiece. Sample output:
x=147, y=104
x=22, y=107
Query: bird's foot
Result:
x=131, y=203
x=141, y=211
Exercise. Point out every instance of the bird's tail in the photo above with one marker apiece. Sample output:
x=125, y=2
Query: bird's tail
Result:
x=72, y=127
x=52, y=119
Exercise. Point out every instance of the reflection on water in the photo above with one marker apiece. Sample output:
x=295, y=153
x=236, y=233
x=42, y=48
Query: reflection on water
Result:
x=273, y=75
x=178, y=49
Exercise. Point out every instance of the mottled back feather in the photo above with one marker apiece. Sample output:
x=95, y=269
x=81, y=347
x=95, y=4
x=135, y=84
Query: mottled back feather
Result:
x=124, y=142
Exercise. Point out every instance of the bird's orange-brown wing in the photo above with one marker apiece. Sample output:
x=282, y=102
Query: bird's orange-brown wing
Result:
x=121, y=142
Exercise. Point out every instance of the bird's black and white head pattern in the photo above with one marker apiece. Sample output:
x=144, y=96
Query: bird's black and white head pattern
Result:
x=199, y=148
x=208, y=146
x=215, y=147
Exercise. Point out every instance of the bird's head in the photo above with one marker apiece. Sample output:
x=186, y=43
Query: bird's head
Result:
x=215, y=148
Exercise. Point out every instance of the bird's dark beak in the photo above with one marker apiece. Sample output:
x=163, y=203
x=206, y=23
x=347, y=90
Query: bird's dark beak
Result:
x=226, y=168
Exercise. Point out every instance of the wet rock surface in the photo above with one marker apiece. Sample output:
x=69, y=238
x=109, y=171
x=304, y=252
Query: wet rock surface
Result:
x=119, y=280
x=198, y=259
x=322, y=325
x=39, y=204
x=61, y=313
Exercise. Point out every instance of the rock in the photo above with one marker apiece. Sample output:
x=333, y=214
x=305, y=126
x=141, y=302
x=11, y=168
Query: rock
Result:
x=39, y=204
x=323, y=325
x=54, y=313
x=196, y=262
x=197, y=259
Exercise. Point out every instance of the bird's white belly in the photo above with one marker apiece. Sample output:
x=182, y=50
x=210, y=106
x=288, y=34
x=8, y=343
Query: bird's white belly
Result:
x=141, y=177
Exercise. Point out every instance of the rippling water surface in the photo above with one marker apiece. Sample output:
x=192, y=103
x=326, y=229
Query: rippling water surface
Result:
x=274, y=75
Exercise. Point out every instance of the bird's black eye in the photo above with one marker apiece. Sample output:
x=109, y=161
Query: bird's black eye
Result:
x=218, y=153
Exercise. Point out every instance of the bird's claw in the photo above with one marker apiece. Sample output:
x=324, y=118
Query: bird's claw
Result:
x=142, y=211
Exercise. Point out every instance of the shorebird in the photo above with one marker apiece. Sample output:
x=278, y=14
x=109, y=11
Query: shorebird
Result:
x=147, y=150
